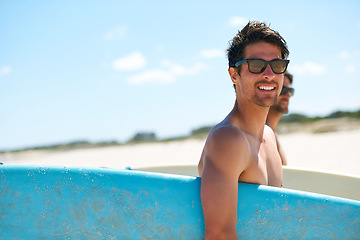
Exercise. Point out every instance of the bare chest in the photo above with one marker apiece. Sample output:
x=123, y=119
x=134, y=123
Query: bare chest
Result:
x=265, y=166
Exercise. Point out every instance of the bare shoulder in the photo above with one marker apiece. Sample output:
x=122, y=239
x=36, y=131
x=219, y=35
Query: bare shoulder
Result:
x=227, y=148
x=269, y=134
x=227, y=132
x=227, y=137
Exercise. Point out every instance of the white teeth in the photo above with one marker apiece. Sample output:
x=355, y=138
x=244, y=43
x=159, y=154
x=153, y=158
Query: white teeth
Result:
x=266, y=88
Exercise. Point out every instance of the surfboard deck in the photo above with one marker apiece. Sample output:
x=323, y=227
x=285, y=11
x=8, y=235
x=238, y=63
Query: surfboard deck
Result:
x=93, y=203
x=334, y=184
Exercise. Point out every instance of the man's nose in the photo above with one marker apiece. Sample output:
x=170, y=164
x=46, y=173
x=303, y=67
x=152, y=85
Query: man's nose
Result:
x=288, y=94
x=268, y=72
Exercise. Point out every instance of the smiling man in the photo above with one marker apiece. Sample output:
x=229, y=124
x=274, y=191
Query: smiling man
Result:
x=278, y=109
x=241, y=147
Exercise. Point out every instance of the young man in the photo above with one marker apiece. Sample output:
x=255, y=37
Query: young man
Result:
x=279, y=108
x=241, y=148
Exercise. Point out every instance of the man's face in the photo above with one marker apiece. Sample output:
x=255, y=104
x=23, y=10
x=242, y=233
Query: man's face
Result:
x=282, y=102
x=263, y=88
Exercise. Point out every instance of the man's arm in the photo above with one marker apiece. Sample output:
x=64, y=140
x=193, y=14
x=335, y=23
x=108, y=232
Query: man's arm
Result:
x=280, y=150
x=225, y=157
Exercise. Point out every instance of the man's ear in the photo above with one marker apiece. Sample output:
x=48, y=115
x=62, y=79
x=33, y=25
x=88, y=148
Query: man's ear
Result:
x=234, y=75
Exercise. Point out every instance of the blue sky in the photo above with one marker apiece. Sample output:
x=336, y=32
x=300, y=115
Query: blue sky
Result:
x=105, y=70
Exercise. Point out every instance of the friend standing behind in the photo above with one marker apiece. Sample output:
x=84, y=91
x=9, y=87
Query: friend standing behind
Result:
x=279, y=108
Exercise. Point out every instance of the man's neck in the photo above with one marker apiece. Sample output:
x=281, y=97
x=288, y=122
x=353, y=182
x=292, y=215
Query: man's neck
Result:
x=252, y=118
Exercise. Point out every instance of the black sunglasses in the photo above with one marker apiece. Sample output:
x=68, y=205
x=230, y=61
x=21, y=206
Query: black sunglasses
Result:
x=278, y=66
x=284, y=90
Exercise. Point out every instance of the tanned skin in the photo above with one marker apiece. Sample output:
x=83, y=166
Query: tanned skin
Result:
x=275, y=113
x=241, y=148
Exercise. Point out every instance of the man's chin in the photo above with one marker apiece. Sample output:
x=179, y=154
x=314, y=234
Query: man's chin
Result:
x=283, y=110
x=280, y=109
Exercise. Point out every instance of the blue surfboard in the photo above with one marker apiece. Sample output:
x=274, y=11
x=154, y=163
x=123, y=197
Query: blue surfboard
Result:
x=94, y=203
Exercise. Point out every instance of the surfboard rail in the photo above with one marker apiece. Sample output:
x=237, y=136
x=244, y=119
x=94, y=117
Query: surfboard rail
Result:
x=45, y=202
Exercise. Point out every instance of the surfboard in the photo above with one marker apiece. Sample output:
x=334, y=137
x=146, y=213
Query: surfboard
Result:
x=95, y=203
x=330, y=183
x=334, y=184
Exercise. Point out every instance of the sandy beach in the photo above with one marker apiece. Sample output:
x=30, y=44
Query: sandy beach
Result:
x=337, y=152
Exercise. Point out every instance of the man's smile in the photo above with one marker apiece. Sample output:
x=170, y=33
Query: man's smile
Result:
x=266, y=88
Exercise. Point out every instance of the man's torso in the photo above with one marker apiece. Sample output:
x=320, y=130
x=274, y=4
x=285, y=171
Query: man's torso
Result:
x=264, y=164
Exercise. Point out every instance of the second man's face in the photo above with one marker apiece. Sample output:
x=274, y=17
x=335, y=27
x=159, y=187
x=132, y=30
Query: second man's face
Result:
x=282, y=102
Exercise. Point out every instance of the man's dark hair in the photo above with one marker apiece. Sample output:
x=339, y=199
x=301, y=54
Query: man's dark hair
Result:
x=289, y=76
x=254, y=32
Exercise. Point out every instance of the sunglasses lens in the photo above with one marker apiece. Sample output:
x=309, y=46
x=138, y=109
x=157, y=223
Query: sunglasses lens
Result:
x=284, y=90
x=257, y=65
x=278, y=66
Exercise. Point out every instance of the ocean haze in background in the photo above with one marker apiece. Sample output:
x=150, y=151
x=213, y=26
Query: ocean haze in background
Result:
x=107, y=70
